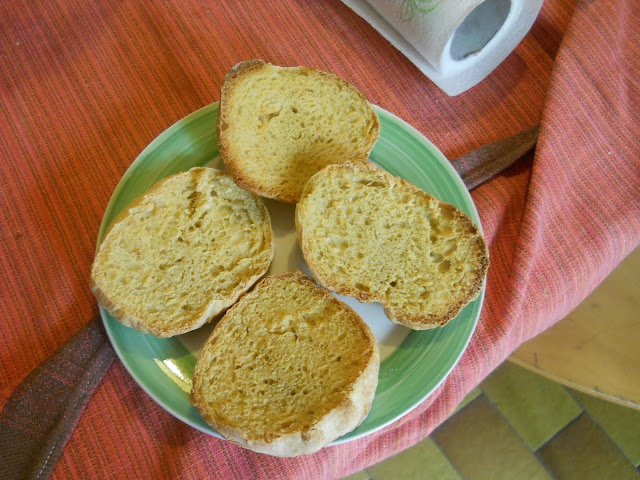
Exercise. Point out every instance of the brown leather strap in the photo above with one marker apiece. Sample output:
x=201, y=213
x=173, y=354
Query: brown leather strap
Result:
x=39, y=417
x=485, y=162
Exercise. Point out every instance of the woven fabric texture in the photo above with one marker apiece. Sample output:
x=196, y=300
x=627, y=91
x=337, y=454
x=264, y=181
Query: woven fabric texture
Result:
x=85, y=86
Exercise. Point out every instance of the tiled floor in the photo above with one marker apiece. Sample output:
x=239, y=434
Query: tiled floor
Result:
x=520, y=425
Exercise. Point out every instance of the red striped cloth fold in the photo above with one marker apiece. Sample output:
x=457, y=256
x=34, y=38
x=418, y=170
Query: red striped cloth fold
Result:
x=85, y=86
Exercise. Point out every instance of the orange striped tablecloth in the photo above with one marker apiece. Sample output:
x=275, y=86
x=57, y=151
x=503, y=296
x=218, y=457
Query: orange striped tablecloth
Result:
x=85, y=86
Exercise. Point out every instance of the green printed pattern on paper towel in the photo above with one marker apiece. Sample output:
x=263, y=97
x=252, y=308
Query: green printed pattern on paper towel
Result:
x=408, y=8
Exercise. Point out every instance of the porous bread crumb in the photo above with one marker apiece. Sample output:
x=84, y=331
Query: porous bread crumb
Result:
x=278, y=126
x=288, y=369
x=367, y=234
x=183, y=252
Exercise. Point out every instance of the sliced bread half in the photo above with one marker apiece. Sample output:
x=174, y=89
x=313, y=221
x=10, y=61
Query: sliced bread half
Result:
x=367, y=234
x=287, y=370
x=278, y=126
x=182, y=253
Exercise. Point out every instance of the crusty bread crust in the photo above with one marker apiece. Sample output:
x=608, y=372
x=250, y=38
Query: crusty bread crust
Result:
x=118, y=305
x=352, y=405
x=237, y=71
x=352, y=284
x=268, y=183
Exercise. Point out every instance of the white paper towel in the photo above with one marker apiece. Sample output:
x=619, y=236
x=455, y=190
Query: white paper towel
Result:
x=456, y=43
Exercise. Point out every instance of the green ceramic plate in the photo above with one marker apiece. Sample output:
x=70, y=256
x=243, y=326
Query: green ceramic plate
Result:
x=413, y=363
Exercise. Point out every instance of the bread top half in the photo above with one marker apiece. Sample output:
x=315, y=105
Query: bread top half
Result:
x=278, y=126
x=288, y=369
x=367, y=234
x=182, y=253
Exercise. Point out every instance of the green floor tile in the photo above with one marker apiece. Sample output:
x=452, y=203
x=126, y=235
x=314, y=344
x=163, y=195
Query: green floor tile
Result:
x=361, y=475
x=422, y=461
x=622, y=424
x=583, y=451
x=536, y=407
x=482, y=446
x=472, y=395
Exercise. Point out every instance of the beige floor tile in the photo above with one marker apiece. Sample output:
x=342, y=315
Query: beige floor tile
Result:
x=482, y=446
x=361, y=475
x=583, y=452
x=622, y=424
x=536, y=407
x=422, y=461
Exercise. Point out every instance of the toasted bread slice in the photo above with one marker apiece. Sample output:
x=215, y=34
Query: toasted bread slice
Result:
x=367, y=234
x=278, y=126
x=287, y=370
x=182, y=253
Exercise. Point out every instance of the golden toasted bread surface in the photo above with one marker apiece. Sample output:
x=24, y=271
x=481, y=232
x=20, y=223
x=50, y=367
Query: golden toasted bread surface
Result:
x=278, y=126
x=288, y=369
x=373, y=236
x=182, y=253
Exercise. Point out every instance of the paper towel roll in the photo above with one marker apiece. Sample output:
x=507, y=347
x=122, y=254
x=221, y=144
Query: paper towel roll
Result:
x=456, y=43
